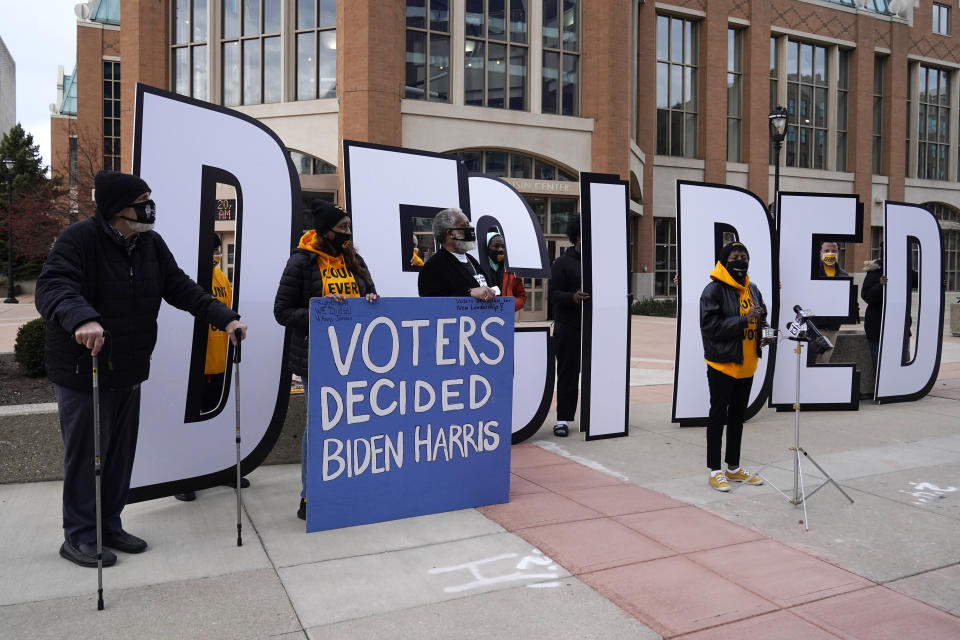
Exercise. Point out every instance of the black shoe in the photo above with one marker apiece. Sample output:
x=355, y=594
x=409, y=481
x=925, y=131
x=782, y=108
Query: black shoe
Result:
x=85, y=555
x=186, y=496
x=244, y=483
x=123, y=541
x=302, y=511
x=561, y=431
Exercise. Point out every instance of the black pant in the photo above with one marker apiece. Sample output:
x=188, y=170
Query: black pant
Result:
x=567, y=342
x=728, y=403
x=119, y=423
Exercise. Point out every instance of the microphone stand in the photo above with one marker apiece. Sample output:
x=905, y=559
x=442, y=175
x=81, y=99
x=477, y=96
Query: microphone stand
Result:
x=799, y=493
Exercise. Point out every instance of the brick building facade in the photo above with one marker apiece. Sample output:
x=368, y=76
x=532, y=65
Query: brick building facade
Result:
x=535, y=91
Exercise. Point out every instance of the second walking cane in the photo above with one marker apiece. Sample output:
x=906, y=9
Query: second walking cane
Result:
x=98, y=471
x=236, y=399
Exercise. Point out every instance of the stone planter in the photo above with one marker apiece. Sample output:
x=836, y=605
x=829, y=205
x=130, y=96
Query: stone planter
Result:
x=31, y=449
x=852, y=346
x=955, y=319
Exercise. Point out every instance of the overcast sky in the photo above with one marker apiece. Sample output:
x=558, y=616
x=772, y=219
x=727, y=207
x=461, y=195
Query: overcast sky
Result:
x=40, y=35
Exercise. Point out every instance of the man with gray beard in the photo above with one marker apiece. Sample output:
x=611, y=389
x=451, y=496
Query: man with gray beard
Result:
x=452, y=271
x=105, y=278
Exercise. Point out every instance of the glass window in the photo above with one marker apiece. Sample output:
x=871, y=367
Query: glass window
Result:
x=933, y=134
x=941, y=19
x=665, y=256
x=495, y=54
x=316, y=49
x=808, y=80
x=560, y=76
x=74, y=161
x=111, y=115
x=189, y=68
x=843, y=89
x=878, y=67
x=734, y=92
x=428, y=50
x=677, y=87
x=250, y=51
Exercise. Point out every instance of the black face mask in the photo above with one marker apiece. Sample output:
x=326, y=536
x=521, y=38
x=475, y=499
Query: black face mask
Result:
x=341, y=240
x=469, y=233
x=738, y=268
x=497, y=256
x=146, y=211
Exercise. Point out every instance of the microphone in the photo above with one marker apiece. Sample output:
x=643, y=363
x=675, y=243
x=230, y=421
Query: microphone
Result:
x=803, y=313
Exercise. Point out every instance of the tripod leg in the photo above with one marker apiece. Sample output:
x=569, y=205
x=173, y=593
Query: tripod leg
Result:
x=827, y=476
x=803, y=495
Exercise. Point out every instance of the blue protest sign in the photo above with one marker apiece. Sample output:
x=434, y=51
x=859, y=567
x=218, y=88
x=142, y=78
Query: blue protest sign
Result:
x=409, y=408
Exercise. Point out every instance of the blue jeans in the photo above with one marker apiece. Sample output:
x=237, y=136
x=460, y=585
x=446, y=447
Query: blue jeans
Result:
x=304, y=445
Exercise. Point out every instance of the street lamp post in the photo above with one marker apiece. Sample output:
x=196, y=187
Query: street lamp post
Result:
x=9, y=163
x=778, y=129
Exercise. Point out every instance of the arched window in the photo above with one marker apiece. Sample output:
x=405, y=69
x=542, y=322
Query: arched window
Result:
x=511, y=164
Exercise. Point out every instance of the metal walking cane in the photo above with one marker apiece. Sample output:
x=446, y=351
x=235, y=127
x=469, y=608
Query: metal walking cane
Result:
x=236, y=398
x=98, y=469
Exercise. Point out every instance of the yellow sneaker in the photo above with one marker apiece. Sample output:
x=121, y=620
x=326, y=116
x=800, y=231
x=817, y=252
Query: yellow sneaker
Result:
x=742, y=475
x=719, y=482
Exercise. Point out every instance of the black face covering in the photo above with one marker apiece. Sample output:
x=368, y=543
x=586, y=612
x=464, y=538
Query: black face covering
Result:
x=738, y=268
x=497, y=256
x=340, y=240
x=146, y=211
x=469, y=233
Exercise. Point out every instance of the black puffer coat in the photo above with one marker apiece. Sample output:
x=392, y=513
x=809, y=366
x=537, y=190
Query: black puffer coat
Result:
x=721, y=325
x=565, y=280
x=302, y=280
x=90, y=275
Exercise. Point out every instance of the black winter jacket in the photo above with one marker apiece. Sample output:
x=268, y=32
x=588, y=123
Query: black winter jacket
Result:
x=90, y=275
x=302, y=280
x=445, y=276
x=566, y=280
x=872, y=294
x=721, y=325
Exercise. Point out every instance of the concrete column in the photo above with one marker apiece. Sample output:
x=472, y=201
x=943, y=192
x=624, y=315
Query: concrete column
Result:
x=712, y=105
x=895, y=91
x=646, y=129
x=756, y=99
x=604, y=90
x=144, y=57
x=370, y=55
x=860, y=133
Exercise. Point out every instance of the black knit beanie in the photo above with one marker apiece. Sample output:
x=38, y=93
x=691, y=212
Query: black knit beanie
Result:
x=728, y=249
x=115, y=191
x=325, y=215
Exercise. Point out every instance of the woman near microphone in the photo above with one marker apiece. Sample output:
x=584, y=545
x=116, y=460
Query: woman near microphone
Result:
x=732, y=315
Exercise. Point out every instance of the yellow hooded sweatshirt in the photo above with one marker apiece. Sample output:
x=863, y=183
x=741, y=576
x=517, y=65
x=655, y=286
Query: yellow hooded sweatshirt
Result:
x=749, y=366
x=216, y=360
x=337, y=278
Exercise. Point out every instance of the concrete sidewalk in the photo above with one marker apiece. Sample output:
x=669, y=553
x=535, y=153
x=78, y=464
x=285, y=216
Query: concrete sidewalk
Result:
x=610, y=539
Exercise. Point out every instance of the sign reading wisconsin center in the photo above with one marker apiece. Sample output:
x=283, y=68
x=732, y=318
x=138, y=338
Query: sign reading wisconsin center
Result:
x=409, y=408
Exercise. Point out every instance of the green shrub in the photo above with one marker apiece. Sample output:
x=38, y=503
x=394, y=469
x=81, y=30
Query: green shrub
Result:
x=28, y=349
x=665, y=307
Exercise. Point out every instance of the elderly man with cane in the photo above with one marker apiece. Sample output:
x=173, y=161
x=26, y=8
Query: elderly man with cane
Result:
x=100, y=289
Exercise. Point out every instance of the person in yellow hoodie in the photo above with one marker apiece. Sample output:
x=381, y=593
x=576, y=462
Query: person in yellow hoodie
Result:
x=324, y=265
x=732, y=315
